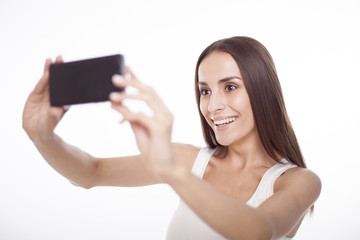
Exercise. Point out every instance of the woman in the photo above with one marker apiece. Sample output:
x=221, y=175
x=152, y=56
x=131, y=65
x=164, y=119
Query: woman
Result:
x=249, y=183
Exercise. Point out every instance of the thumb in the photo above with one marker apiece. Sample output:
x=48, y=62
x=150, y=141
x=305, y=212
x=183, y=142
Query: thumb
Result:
x=58, y=112
x=142, y=136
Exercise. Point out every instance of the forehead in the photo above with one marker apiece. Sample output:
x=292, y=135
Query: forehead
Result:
x=217, y=65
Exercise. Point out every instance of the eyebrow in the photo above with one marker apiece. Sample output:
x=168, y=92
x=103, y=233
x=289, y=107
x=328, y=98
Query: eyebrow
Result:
x=223, y=80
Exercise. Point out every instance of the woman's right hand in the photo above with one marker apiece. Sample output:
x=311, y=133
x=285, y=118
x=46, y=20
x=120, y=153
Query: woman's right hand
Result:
x=39, y=118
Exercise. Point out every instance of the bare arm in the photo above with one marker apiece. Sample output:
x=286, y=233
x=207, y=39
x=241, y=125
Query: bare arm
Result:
x=134, y=171
x=84, y=170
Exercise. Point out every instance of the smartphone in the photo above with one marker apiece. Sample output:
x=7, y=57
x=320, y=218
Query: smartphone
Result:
x=84, y=81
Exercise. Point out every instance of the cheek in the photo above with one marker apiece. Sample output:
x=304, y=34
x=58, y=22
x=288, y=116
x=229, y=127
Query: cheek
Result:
x=204, y=110
x=244, y=107
x=249, y=117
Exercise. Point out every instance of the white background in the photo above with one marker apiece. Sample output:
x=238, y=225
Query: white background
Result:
x=315, y=45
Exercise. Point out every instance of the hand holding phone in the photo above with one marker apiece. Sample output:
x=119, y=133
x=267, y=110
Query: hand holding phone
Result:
x=84, y=81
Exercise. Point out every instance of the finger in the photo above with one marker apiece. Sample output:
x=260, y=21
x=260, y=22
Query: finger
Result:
x=59, y=59
x=128, y=80
x=48, y=62
x=43, y=82
x=120, y=108
x=139, y=118
x=130, y=74
x=117, y=106
x=118, y=81
x=157, y=108
x=119, y=97
x=123, y=82
x=132, y=117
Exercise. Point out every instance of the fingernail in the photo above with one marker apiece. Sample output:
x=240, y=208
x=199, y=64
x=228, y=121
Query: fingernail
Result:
x=114, y=96
x=117, y=78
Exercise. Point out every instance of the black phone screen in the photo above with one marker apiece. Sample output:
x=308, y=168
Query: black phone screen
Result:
x=84, y=81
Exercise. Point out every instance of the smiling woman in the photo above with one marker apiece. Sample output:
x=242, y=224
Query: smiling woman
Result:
x=250, y=62
x=236, y=188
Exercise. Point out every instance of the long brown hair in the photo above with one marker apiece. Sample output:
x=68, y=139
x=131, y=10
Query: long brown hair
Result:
x=258, y=72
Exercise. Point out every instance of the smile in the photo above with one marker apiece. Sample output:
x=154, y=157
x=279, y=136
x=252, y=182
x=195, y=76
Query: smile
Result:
x=224, y=121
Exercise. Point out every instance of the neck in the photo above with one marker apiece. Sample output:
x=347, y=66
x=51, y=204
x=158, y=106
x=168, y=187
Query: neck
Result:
x=249, y=153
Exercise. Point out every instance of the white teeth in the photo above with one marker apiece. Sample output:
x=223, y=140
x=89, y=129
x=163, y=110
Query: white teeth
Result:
x=224, y=121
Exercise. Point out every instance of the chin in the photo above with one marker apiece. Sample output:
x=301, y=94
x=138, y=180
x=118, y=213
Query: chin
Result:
x=224, y=142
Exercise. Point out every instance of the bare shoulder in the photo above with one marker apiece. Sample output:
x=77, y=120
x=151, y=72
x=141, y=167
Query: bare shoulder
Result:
x=186, y=153
x=302, y=183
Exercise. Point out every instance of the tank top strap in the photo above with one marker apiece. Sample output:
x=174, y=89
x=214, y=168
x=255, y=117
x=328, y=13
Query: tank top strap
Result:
x=202, y=161
x=265, y=188
x=273, y=173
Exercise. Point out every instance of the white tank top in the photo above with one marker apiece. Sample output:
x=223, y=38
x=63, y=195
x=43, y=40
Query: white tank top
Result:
x=185, y=224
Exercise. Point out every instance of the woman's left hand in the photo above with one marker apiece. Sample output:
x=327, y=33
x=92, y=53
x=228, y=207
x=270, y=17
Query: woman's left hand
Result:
x=152, y=133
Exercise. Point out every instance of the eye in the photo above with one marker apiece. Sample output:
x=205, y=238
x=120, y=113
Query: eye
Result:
x=230, y=87
x=204, y=92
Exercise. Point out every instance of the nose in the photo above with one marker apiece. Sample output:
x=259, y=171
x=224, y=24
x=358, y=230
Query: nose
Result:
x=216, y=102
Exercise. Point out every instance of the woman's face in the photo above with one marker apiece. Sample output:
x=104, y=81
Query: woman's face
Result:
x=224, y=101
